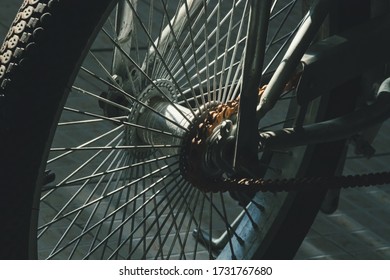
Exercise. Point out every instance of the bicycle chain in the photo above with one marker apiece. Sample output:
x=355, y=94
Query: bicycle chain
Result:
x=225, y=111
x=298, y=184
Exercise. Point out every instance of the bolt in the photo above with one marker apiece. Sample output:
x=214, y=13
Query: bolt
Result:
x=226, y=127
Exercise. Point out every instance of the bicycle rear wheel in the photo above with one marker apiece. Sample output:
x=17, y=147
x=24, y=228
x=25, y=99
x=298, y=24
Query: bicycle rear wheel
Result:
x=119, y=189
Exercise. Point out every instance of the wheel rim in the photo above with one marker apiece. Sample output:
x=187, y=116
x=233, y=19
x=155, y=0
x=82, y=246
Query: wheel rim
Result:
x=117, y=195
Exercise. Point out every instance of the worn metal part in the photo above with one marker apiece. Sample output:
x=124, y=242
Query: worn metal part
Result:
x=125, y=26
x=339, y=128
x=169, y=119
x=245, y=153
x=337, y=59
x=198, y=156
x=289, y=185
x=334, y=129
x=293, y=55
x=209, y=147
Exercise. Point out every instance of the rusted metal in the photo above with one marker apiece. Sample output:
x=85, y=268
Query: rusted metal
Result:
x=195, y=154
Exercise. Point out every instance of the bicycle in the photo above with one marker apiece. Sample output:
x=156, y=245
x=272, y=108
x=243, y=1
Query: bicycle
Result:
x=176, y=111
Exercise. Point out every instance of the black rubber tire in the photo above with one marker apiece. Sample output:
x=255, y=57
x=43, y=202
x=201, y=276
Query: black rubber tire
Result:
x=37, y=61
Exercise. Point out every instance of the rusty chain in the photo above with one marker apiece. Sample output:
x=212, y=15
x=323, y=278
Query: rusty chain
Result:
x=296, y=184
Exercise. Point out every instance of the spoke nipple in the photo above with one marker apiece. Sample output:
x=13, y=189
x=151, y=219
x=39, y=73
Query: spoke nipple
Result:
x=240, y=241
x=117, y=79
x=49, y=177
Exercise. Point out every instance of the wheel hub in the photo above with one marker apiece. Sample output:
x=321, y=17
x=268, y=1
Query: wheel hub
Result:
x=203, y=138
x=209, y=146
x=156, y=125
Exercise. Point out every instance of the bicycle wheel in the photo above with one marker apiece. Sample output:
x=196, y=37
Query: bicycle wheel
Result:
x=104, y=165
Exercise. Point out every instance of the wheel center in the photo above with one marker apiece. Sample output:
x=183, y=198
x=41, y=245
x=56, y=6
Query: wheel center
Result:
x=204, y=138
x=157, y=120
x=209, y=147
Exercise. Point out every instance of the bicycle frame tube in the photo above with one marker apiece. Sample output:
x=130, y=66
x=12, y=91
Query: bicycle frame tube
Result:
x=176, y=25
x=352, y=52
x=246, y=144
x=125, y=24
x=335, y=129
x=125, y=27
x=291, y=59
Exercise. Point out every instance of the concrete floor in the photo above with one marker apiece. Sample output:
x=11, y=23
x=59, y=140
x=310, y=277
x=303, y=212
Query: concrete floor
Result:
x=359, y=229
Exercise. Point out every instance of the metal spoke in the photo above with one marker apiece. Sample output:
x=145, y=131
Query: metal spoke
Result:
x=120, y=122
x=120, y=90
x=210, y=224
x=111, y=193
x=85, y=144
x=150, y=30
x=233, y=85
x=200, y=218
x=235, y=49
x=132, y=216
x=237, y=80
x=157, y=212
x=217, y=39
x=124, y=214
x=287, y=38
x=180, y=55
x=163, y=41
x=114, y=212
x=93, y=212
x=215, y=31
x=65, y=123
x=108, y=208
x=109, y=171
x=189, y=214
x=72, y=223
x=83, y=165
x=217, y=73
x=207, y=51
x=228, y=226
x=224, y=61
x=222, y=216
x=150, y=80
x=174, y=211
x=75, y=195
x=288, y=6
x=171, y=55
x=119, y=147
x=193, y=48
